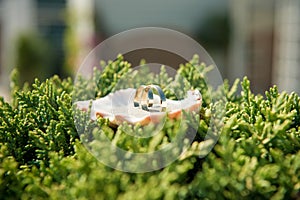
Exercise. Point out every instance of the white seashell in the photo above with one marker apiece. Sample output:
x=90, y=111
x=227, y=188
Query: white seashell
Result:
x=119, y=107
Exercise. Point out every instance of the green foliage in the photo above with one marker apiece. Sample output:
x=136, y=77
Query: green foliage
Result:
x=41, y=156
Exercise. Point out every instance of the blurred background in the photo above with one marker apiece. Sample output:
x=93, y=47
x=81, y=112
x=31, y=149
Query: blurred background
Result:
x=259, y=39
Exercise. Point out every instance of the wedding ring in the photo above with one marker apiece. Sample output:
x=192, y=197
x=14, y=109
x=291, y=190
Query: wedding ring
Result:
x=144, y=98
x=141, y=98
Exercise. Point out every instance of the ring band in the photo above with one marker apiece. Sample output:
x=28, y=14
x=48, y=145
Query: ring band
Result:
x=144, y=97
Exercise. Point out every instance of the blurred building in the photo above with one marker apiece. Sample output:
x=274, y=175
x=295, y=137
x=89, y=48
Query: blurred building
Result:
x=286, y=58
x=15, y=17
x=265, y=43
x=51, y=24
x=260, y=39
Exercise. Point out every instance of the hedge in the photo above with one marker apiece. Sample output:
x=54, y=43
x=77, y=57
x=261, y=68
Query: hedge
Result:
x=41, y=155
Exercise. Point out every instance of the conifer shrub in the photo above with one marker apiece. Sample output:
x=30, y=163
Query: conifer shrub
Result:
x=41, y=155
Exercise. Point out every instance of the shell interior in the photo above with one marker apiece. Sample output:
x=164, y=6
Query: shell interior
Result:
x=118, y=107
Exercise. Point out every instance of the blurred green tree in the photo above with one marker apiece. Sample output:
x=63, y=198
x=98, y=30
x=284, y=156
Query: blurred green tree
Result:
x=34, y=57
